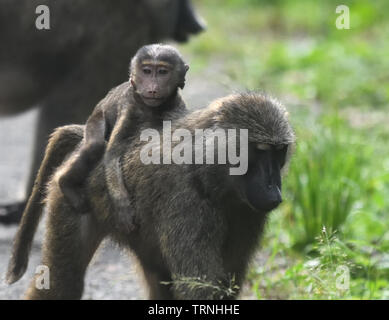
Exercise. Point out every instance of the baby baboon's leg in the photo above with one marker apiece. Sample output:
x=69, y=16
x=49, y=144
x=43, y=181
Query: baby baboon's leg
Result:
x=84, y=161
x=70, y=242
x=75, y=173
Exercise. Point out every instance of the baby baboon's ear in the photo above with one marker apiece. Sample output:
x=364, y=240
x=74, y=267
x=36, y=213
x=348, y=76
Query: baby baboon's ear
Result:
x=183, y=73
x=132, y=81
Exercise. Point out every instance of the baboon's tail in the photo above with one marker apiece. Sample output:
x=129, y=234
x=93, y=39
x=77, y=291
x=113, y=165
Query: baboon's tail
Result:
x=62, y=142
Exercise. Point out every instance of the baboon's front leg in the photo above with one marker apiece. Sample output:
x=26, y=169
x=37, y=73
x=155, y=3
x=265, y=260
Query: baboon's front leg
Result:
x=70, y=242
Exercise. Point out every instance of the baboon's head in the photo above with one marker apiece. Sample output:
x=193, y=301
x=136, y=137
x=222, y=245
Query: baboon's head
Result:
x=270, y=140
x=157, y=71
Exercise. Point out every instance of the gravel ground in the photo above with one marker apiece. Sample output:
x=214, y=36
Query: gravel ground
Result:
x=111, y=274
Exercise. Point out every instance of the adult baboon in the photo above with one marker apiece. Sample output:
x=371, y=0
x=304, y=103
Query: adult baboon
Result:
x=66, y=70
x=195, y=223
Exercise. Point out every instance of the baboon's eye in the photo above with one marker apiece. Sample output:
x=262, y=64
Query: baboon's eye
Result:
x=280, y=146
x=263, y=146
x=163, y=71
x=146, y=70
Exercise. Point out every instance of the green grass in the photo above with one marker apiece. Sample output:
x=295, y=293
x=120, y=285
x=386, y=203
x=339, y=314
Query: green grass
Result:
x=328, y=176
x=295, y=47
x=335, y=216
x=335, y=269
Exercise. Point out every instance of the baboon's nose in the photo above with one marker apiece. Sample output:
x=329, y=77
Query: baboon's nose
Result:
x=275, y=198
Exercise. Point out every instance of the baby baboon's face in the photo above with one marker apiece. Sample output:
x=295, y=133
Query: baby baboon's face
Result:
x=155, y=81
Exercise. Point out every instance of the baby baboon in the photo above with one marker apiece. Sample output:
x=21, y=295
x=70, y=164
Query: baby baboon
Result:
x=198, y=225
x=157, y=71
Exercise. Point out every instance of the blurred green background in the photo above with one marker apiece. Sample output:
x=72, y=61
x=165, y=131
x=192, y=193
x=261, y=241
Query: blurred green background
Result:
x=330, y=237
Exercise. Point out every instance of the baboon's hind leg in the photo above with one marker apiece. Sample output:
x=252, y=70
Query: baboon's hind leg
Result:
x=158, y=282
x=70, y=242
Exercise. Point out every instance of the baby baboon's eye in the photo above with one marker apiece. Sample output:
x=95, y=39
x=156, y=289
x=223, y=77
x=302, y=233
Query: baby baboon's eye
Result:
x=146, y=70
x=163, y=71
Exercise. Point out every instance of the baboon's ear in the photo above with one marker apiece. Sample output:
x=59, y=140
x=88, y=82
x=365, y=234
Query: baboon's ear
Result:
x=131, y=80
x=182, y=83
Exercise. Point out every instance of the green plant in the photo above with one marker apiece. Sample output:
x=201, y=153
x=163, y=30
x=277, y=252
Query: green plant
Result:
x=326, y=178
